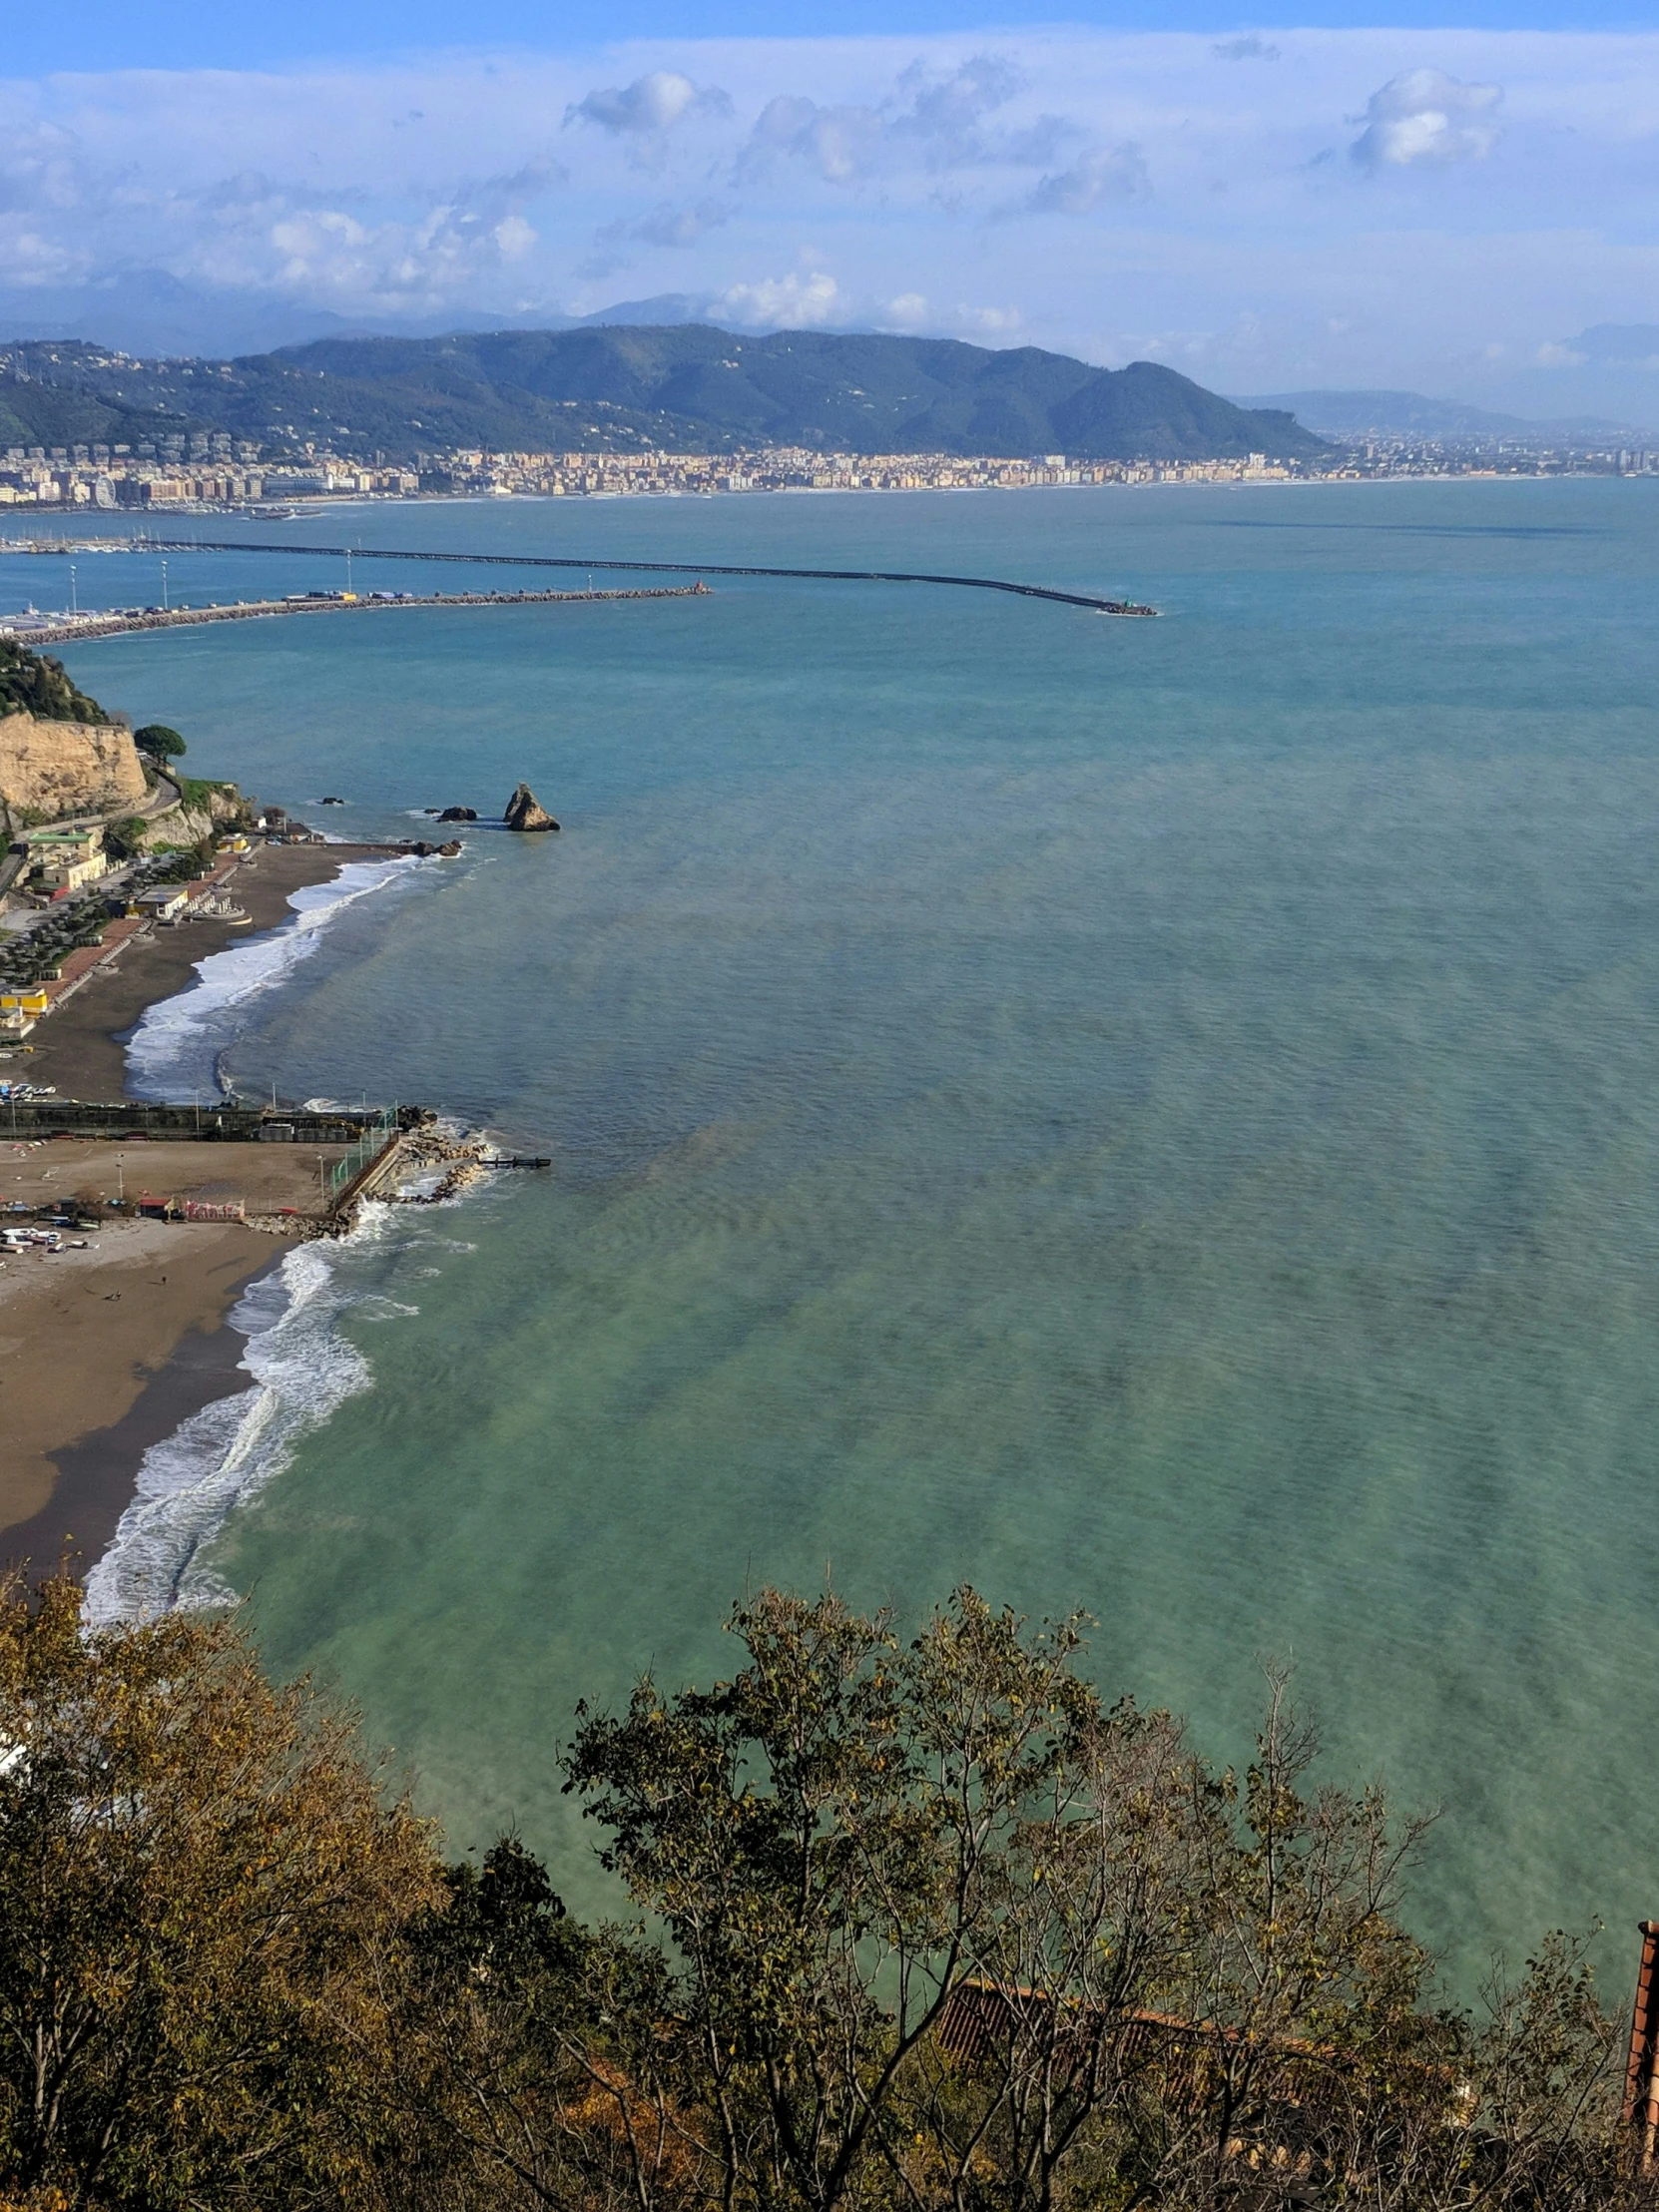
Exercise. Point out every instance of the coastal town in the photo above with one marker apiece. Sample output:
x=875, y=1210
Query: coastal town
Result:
x=216, y=473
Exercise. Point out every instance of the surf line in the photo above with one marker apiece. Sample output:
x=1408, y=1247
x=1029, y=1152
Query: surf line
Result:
x=654, y=568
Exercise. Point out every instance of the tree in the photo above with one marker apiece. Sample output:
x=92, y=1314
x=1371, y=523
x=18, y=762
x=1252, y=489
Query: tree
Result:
x=36, y=684
x=532, y=2049
x=946, y=1933
x=950, y=1933
x=201, y=1894
x=160, y=742
x=852, y=1835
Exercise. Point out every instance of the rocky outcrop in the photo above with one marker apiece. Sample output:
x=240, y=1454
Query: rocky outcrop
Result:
x=525, y=812
x=465, y=813
x=67, y=767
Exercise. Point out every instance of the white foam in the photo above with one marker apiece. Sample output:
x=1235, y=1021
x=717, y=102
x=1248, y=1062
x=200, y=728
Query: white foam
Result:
x=180, y=1038
x=190, y=1483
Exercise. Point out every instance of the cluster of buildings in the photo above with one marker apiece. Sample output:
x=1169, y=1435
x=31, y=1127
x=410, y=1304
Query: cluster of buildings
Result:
x=799, y=468
x=214, y=470
x=219, y=471
x=57, y=863
x=1381, y=456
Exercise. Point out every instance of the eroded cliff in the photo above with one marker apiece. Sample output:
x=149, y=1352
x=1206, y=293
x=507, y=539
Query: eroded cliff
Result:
x=64, y=767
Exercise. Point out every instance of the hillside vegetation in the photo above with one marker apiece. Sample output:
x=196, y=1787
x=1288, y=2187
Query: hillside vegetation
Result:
x=922, y=1925
x=686, y=388
x=35, y=684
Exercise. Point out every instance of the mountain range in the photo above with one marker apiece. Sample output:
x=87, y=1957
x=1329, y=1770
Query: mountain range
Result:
x=685, y=386
x=1347, y=416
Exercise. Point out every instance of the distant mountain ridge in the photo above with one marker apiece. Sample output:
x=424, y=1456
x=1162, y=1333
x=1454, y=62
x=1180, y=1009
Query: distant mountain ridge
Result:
x=690, y=387
x=1412, y=414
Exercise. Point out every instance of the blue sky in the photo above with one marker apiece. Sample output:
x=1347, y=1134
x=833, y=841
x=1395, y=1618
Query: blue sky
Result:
x=1466, y=210
x=116, y=34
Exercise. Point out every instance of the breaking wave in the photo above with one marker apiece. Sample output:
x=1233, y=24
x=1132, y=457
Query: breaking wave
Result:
x=190, y=1483
x=177, y=1040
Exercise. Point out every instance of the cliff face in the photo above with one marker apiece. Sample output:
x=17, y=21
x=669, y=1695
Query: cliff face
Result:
x=66, y=767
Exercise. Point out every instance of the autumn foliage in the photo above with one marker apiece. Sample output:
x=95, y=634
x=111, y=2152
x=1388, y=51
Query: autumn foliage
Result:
x=923, y=1926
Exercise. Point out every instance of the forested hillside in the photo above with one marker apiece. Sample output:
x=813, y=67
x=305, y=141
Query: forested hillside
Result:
x=687, y=387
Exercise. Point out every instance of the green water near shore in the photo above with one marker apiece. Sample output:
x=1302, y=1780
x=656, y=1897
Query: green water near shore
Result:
x=1155, y=1117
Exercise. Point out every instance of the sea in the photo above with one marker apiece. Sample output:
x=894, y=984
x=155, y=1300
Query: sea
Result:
x=1158, y=1118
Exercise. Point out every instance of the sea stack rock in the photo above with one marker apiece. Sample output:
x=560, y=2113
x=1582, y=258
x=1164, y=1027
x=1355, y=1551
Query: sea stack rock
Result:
x=525, y=812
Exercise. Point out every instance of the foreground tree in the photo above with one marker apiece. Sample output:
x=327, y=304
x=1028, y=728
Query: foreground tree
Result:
x=199, y=1889
x=951, y=1932
x=946, y=1933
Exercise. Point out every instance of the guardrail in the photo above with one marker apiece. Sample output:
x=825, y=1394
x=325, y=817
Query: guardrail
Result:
x=367, y=1148
x=44, y=1117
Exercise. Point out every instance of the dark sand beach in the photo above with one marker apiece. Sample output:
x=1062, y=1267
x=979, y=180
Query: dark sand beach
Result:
x=88, y=1345
x=77, y=1050
x=106, y=1351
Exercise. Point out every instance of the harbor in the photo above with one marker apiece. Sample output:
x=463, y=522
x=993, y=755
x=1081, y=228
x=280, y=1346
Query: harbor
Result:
x=76, y=628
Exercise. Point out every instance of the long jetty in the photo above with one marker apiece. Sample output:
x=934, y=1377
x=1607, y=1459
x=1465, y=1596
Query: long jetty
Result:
x=116, y=624
x=655, y=568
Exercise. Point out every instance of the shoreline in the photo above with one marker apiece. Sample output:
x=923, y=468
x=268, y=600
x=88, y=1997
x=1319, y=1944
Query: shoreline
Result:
x=80, y=1047
x=109, y=1349
x=102, y=1353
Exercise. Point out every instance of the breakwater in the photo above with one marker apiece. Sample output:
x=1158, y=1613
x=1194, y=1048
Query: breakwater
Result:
x=118, y=623
x=658, y=568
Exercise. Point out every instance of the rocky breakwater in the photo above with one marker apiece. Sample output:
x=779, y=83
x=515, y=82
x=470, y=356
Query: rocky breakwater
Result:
x=526, y=811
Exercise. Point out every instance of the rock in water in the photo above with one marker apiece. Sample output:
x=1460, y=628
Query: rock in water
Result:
x=459, y=813
x=525, y=812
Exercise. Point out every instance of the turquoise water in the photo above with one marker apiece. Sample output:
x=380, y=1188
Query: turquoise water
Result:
x=1157, y=1117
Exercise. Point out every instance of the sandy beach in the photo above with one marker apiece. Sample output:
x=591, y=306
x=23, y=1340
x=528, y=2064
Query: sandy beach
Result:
x=134, y=1326
x=77, y=1050
x=105, y=1351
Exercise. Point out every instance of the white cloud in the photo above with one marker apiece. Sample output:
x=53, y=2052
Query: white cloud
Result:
x=988, y=322
x=1250, y=48
x=797, y=302
x=1425, y=117
x=1194, y=203
x=649, y=106
x=665, y=225
x=839, y=143
x=1109, y=173
x=929, y=119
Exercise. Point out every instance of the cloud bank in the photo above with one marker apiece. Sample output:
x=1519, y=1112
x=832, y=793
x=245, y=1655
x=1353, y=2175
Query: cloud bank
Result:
x=1284, y=209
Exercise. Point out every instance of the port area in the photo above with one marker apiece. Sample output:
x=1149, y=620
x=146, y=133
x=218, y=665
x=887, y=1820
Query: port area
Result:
x=67, y=629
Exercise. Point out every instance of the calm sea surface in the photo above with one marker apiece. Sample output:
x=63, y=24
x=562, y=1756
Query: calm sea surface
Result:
x=1155, y=1117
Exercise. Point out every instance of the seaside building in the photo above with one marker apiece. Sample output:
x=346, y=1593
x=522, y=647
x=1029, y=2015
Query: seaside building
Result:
x=164, y=903
x=19, y=1011
x=61, y=861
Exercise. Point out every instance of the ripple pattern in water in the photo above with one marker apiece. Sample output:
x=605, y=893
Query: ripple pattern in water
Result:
x=1158, y=1117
